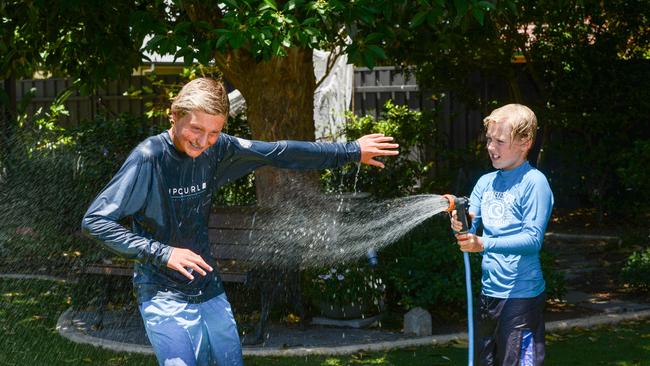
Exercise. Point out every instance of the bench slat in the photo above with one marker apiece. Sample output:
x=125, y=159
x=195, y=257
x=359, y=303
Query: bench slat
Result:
x=230, y=236
x=231, y=251
x=239, y=217
x=109, y=269
x=229, y=271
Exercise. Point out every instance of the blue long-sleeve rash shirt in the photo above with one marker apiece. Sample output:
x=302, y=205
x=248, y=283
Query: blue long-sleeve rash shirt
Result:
x=513, y=207
x=168, y=195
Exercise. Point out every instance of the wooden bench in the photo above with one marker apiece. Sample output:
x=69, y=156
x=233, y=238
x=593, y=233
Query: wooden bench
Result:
x=233, y=233
x=232, y=230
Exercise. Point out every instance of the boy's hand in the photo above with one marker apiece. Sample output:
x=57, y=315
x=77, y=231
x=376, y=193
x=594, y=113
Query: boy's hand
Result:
x=183, y=259
x=470, y=243
x=456, y=225
x=375, y=145
x=467, y=242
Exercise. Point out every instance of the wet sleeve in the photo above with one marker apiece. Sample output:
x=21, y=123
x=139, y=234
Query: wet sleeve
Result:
x=537, y=203
x=243, y=156
x=125, y=195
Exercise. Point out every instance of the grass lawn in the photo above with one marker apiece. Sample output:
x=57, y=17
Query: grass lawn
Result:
x=29, y=310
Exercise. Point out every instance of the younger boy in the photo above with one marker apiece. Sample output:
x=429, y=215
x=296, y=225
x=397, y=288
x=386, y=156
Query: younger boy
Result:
x=513, y=205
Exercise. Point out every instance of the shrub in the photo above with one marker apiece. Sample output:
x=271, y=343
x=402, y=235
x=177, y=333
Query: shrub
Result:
x=52, y=177
x=344, y=285
x=402, y=173
x=555, y=281
x=634, y=174
x=426, y=269
x=636, y=271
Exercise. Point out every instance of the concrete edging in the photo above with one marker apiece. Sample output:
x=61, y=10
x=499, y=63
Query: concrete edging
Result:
x=582, y=237
x=65, y=328
x=20, y=276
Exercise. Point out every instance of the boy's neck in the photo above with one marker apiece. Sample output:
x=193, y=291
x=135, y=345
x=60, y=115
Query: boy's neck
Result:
x=516, y=166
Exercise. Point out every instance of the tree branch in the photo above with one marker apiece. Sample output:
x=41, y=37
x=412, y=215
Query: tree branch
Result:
x=332, y=58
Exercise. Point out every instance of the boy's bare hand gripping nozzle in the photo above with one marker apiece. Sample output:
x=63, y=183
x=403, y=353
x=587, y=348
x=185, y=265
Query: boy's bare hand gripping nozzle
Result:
x=460, y=205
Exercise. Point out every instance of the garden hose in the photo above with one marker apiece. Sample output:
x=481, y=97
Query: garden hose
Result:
x=460, y=205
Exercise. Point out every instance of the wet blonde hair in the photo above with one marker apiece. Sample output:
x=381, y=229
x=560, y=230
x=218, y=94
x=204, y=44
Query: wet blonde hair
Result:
x=521, y=119
x=202, y=94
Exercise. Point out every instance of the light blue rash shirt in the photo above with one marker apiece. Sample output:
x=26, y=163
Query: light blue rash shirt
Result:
x=514, y=207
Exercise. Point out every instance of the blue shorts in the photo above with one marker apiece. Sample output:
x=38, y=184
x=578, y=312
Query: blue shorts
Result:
x=510, y=331
x=185, y=334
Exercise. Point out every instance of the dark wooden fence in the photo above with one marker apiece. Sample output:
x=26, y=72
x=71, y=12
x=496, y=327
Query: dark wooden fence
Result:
x=372, y=88
x=111, y=99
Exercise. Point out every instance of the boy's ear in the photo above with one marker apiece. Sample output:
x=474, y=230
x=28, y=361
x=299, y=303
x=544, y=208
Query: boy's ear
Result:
x=525, y=144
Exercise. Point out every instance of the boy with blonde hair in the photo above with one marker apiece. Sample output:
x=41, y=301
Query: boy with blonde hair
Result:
x=513, y=206
x=166, y=186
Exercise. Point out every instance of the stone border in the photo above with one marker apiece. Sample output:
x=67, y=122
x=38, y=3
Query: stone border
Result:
x=66, y=329
x=582, y=237
x=20, y=276
x=596, y=320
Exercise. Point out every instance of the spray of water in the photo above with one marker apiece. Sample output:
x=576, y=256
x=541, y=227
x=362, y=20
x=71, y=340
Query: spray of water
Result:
x=320, y=231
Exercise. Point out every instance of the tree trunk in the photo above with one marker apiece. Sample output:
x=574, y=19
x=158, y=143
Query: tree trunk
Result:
x=279, y=96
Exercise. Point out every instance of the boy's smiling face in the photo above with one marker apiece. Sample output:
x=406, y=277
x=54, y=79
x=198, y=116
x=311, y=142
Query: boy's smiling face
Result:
x=505, y=154
x=196, y=131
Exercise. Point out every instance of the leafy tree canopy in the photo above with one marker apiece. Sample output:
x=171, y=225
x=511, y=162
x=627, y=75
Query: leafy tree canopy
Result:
x=556, y=37
x=267, y=29
x=89, y=40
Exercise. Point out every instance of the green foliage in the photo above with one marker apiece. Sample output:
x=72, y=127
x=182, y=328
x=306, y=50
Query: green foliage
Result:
x=555, y=281
x=344, y=285
x=50, y=180
x=600, y=116
x=411, y=129
x=634, y=174
x=425, y=268
x=636, y=271
x=39, y=157
x=424, y=165
x=53, y=36
x=268, y=29
x=102, y=145
x=585, y=75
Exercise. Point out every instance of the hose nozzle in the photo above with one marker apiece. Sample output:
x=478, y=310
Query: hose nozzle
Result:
x=460, y=205
x=452, y=202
